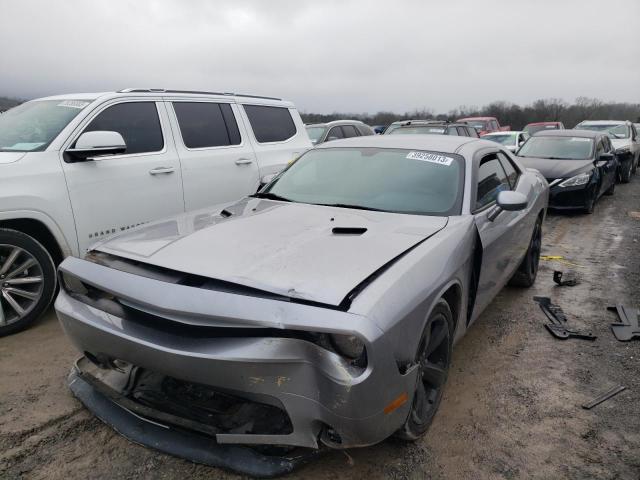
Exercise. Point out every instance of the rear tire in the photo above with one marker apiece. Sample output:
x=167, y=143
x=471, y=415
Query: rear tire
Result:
x=526, y=274
x=27, y=281
x=433, y=358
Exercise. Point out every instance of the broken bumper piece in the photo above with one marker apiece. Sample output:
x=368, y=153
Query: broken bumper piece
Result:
x=127, y=418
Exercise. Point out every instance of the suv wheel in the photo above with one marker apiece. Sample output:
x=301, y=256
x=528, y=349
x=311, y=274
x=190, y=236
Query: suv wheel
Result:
x=27, y=280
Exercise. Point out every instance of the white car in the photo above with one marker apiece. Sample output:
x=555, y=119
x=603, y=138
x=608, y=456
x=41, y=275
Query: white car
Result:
x=624, y=137
x=511, y=140
x=75, y=169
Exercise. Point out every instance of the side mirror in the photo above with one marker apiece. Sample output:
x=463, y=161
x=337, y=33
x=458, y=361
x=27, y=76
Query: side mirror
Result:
x=95, y=144
x=511, y=201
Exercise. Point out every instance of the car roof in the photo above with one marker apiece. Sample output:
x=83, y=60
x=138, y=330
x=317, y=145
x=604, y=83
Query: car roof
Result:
x=569, y=133
x=543, y=123
x=334, y=123
x=603, y=122
x=438, y=143
x=166, y=93
x=435, y=123
x=476, y=118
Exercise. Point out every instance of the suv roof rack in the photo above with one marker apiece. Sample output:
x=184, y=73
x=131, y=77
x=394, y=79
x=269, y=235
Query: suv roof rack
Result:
x=195, y=92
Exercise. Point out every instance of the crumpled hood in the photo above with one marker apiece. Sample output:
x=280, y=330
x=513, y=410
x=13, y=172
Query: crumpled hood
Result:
x=11, y=157
x=552, y=169
x=288, y=249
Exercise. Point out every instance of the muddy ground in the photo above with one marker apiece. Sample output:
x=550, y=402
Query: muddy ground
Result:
x=512, y=406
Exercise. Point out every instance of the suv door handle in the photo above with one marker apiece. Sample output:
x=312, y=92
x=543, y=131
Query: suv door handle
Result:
x=161, y=170
x=243, y=161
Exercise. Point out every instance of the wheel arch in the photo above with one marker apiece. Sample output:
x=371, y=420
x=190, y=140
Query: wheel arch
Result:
x=40, y=232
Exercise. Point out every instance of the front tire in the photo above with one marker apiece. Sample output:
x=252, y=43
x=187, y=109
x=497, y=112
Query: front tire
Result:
x=433, y=359
x=27, y=281
x=611, y=189
x=526, y=274
x=625, y=176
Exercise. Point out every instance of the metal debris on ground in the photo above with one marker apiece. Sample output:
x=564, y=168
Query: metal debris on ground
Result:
x=627, y=328
x=570, y=279
x=558, y=321
x=605, y=396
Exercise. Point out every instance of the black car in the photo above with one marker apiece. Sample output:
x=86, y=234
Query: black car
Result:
x=431, y=127
x=580, y=166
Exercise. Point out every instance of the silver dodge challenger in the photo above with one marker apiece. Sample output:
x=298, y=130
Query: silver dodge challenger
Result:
x=320, y=311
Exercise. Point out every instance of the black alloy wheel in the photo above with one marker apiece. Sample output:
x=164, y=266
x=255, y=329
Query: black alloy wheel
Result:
x=433, y=360
x=526, y=274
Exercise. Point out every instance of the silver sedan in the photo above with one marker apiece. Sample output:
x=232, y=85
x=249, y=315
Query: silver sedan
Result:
x=321, y=310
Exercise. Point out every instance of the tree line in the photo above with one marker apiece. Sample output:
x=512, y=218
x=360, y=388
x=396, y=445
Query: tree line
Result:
x=543, y=110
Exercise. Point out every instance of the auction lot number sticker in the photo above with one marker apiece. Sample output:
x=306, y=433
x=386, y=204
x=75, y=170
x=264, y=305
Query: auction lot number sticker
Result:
x=430, y=157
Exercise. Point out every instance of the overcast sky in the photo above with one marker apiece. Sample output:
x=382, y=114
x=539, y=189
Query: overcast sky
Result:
x=326, y=56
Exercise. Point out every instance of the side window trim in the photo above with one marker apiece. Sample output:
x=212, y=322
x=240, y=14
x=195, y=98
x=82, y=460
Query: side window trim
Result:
x=169, y=103
x=476, y=210
x=86, y=121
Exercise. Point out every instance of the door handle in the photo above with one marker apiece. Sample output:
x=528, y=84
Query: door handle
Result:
x=161, y=170
x=243, y=161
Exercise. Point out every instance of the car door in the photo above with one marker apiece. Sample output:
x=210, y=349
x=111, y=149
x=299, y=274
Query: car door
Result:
x=114, y=193
x=506, y=237
x=218, y=162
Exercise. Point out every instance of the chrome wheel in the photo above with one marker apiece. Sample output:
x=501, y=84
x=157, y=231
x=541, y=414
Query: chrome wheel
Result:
x=21, y=283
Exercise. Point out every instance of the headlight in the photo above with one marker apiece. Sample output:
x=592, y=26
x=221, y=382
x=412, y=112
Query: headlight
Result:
x=348, y=345
x=579, y=179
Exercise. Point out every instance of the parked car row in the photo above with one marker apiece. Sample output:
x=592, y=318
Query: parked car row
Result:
x=243, y=284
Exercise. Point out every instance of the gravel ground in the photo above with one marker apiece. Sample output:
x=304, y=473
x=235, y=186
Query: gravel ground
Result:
x=512, y=406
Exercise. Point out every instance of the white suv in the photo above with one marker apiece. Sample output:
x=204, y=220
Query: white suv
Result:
x=77, y=168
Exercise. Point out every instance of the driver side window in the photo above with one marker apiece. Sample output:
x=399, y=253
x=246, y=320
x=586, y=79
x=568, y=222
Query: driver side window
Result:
x=492, y=180
x=137, y=122
x=334, y=134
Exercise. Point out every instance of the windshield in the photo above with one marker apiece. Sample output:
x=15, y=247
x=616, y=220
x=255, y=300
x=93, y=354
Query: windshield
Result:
x=391, y=180
x=502, y=139
x=614, y=131
x=416, y=129
x=315, y=133
x=531, y=129
x=32, y=126
x=562, y=148
x=479, y=125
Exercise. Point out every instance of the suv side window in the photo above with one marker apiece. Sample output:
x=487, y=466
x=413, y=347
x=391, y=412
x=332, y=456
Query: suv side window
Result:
x=349, y=131
x=335, y=133
x=473, y=132
x=452, y=131
x=365, y=130
x=137, y=122
x=492, y=180
x=270, y=124
x=494, y=125
x=205, y=124
x=462, y=131
x=511, y=171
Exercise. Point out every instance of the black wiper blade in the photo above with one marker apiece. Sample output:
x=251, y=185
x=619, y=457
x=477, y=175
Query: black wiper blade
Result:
x=270, y=196
x=346, y=205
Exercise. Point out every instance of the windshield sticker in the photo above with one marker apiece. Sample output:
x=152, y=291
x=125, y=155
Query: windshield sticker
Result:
x=73, y=104
x=24, y=146
x=578, y=139
x=430, y=157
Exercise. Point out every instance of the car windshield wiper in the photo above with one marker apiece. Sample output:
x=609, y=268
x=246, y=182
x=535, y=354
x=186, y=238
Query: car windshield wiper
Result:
x=270, y=196
x=346, y=205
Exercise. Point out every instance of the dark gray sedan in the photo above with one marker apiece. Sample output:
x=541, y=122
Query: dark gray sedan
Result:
x=323, y=309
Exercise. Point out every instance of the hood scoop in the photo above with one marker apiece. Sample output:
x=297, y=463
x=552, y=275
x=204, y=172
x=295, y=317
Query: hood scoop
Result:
x=348, y=230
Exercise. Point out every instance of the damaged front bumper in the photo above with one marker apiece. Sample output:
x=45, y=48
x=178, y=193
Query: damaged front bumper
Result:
x=211, y=341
